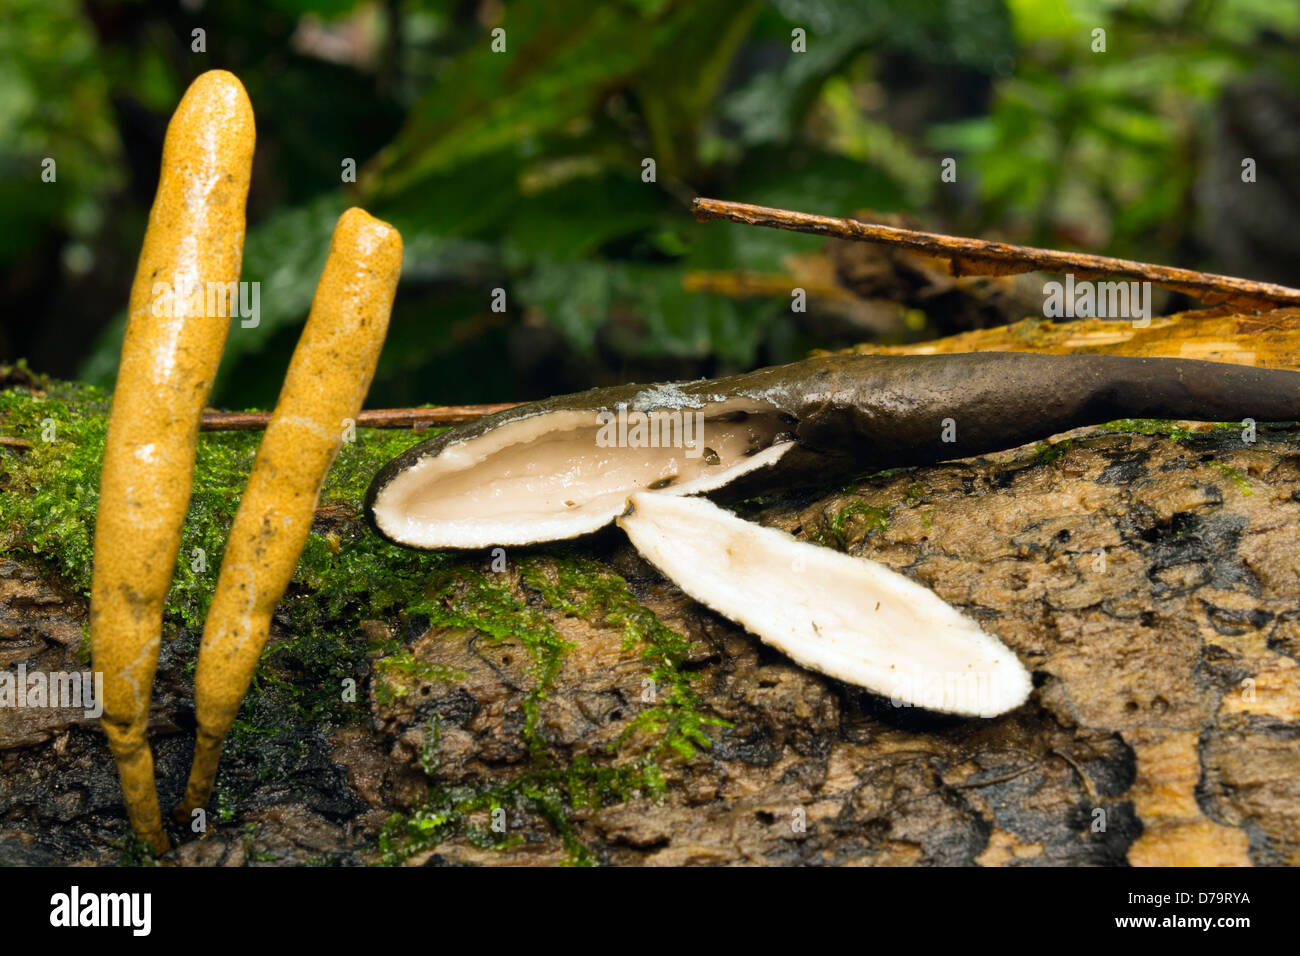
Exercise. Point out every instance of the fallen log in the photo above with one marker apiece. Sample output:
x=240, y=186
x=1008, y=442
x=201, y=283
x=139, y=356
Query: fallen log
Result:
x=567, y=703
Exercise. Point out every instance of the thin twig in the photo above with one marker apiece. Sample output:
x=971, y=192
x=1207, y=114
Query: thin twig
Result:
x=743, y=284
x=985, y=257
x=418, y=418
x=1087, y=781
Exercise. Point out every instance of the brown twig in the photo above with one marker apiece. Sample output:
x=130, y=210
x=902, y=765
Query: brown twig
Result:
x=418, y=418
x=744, y=284
x=985, y=257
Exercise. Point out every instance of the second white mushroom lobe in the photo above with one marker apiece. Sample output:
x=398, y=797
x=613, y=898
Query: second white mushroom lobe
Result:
x=849, y=618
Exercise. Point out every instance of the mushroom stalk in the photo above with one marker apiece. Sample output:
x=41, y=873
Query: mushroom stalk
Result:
x=176, y=330
x=849, y=618
x=328, y=377
x=566, y=466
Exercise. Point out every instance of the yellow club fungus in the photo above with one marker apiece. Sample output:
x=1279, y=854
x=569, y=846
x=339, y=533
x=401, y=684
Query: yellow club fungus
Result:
x=327, y=381
x=176, y=329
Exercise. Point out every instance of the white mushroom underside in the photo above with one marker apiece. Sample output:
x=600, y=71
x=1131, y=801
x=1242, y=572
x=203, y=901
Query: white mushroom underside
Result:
x=849, y=618
x=555, y=476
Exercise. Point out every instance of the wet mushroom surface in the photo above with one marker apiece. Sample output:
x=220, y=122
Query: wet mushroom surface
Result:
x=565, y=466
x=550, y=477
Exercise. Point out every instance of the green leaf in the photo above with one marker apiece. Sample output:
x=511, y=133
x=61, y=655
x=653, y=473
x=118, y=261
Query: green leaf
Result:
x=559, y=59
x=676, y=100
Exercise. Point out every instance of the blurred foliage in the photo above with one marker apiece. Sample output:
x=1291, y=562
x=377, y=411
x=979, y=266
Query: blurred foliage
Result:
x=522, y=170
x=53, y=103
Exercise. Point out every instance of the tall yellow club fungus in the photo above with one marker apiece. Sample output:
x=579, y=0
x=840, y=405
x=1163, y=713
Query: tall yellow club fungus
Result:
x=176, y=329
x=327, y=381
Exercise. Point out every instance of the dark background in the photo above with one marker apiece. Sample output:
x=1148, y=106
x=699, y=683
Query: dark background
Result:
x=522, y=170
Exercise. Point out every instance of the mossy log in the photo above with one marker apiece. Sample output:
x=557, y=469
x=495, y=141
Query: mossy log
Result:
x=566, y=703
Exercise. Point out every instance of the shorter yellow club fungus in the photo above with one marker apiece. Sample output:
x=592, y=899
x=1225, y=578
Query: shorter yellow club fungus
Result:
x=328, y=378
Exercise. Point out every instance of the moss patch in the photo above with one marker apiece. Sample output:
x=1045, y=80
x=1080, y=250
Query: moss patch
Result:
x=1162, y=427
x=581, y=588
x=672, y=728
x=49, y=492
x=1048, y=453
x=859, y=513
x=311, y=677
x=1237, y=478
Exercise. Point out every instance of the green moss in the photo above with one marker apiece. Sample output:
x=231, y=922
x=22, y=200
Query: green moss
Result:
x=346, y=575
x=482, y=813
x=673, y=727
x=1149, y=426
x=749, y=506
x=358, y=461
x=430, y=757
x=466, y=598
x=407, y=664
x=1240, y=480
x=1176, y=431
x=49, y=489
x=873, y=519
x=874, y=478
x=581, y=588
x=251, y=854
x=49, y=492
x=1049, y=452
x=132, y=851
x=225, y=809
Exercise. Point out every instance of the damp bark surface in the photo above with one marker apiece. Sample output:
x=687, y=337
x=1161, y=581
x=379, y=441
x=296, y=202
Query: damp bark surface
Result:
x=1150, y=582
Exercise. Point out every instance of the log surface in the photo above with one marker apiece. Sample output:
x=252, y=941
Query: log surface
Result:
x=1164, y=727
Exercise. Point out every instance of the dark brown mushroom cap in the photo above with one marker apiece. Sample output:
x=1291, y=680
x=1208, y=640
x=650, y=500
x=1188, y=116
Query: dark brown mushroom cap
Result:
x=856, y=413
